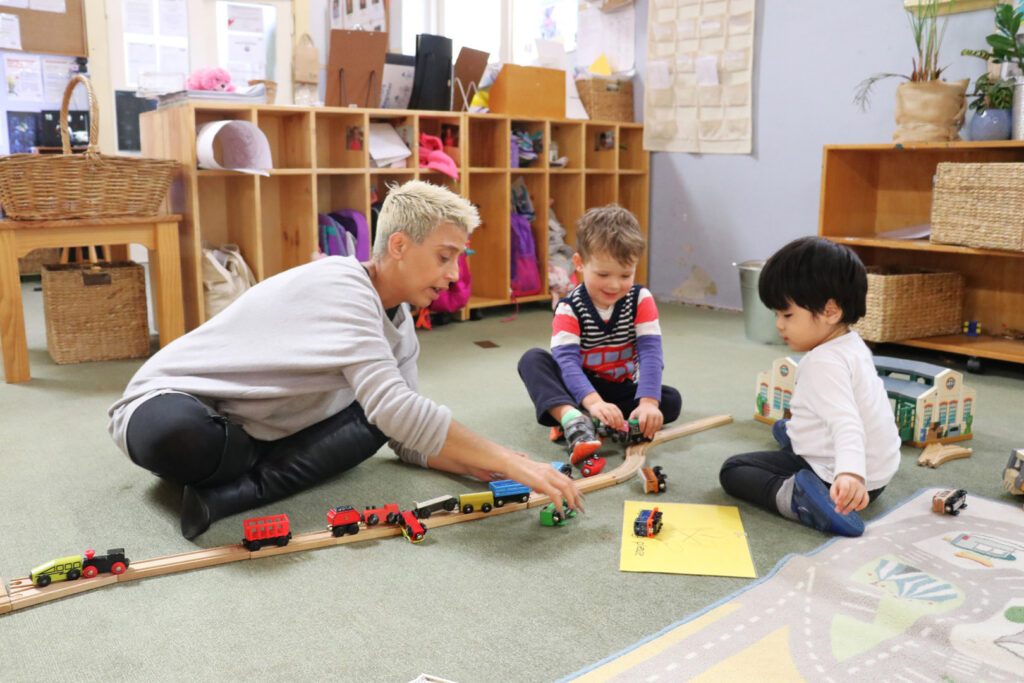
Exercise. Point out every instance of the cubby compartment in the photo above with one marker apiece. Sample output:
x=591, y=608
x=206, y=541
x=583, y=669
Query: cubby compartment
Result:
x=566, y=141
x=336, y=191
x=601, y=189
x=565, y=194
x=288, y=132
x=340, y=140
x=490, y=261
x=288, y=222
x=450, y=130
x=489, y=141
x=442, y=179
x=632, y=156
x=407, y=129
x=229, y=214
x=538, y=134
x=634, y=195
x=602, y=146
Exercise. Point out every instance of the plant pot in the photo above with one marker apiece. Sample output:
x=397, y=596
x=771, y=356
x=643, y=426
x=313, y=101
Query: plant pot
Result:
x=1018, y=105
x=991, y=124
x=930, y=111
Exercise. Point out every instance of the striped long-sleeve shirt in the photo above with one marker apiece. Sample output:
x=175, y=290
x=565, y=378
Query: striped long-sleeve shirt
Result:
x=613, y=346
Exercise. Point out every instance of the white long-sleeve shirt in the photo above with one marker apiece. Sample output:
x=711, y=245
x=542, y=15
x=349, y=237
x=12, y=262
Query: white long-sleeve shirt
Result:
x=294, y=350
x=841, y=417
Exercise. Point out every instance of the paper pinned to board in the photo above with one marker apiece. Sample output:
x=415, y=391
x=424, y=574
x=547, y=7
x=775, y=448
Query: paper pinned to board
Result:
x=241, y=146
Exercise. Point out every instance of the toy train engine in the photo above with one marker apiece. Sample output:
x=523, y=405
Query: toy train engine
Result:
x=654, y=479
x=563, y=467
x=508, y=491
x=484, y=500
x=550, y=515
x=426, y=508
x=390, y=513
x=261, y=531
x=412, y=528
x=342, y=520
x=630, y=435
x=647, y=523
x=949, y=501
x=592, y=465
x=114, y=562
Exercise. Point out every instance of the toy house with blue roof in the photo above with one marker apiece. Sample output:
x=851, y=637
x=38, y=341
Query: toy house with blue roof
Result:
x=775, y=389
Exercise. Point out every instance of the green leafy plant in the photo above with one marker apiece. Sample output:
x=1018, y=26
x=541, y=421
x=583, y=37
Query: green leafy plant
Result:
x=1004, y=45
x=928, y=33
x=989, y=94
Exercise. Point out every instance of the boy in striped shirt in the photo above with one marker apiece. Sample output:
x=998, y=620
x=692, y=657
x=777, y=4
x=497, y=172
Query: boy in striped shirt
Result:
x=606, y=356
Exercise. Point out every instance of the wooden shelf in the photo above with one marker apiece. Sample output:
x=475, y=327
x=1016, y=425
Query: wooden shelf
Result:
x=868, y=190
x=321, y=164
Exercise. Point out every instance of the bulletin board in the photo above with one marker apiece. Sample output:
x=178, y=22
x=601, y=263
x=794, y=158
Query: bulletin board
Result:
x=53, y=33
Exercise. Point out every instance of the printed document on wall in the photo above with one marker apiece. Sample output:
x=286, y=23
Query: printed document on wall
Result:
x=608, y=33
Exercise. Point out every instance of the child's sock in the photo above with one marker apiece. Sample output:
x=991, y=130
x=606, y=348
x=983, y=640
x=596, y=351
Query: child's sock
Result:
x=784, y=500
x=569, y=416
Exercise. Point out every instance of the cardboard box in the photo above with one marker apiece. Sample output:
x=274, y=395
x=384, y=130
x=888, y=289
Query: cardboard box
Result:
x=529, y=91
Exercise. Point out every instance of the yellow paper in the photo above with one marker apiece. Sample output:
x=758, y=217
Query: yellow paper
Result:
x=600, y=66
x=694, y=539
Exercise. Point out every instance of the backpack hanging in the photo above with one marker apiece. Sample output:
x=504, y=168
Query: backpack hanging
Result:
x=456, y=296
x=354, y=223
x=332, y=238
x=525, y=272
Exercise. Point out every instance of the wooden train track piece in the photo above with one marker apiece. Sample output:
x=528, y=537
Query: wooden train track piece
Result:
x=937, y=453
x=24, y=593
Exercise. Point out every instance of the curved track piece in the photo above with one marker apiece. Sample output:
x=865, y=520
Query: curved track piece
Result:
x=25, y=594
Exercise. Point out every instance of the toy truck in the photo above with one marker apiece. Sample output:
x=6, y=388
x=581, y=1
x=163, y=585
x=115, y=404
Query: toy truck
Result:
x=412, y=528
x=654, y=479
x=647, y=523
x=342, y=520
x=508, y=491
x=261, y=531
x=949, y=501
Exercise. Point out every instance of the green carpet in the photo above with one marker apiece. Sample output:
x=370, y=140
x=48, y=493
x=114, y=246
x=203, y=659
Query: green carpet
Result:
x=498, y=599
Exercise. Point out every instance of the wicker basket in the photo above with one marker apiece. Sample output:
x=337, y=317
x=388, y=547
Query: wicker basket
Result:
x=95, y=311
x=906, y=303
x=979, y=205
x=606, y=100
x=32, y=263
x=87, y=185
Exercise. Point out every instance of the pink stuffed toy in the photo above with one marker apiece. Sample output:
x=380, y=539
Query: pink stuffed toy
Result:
x=210, y=78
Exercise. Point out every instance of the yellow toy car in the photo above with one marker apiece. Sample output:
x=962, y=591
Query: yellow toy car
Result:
x=63, y=568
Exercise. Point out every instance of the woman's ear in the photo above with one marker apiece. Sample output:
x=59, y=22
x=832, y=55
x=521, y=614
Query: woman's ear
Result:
x=397, y=244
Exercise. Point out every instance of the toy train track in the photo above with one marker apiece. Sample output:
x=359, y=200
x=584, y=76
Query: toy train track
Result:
x=23, y=593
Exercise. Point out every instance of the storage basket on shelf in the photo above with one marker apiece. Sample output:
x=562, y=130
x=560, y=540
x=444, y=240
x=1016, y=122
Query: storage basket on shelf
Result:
x=86, y=185
x=906, y=303
x=95, y=311
x=979, y=205
x=606, y=100
x=32, y=263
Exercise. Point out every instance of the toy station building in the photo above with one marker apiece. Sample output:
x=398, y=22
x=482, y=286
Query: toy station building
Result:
x=931, y=403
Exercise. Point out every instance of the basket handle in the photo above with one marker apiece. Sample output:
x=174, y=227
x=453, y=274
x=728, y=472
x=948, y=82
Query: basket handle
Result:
x=94, y=116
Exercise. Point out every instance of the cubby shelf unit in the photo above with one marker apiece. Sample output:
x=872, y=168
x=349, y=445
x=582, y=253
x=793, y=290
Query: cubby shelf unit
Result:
x=317, y=170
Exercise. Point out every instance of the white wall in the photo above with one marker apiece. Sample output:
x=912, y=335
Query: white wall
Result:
x=708, y=211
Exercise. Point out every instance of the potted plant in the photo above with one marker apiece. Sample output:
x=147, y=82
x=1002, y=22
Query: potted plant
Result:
x=928, y=108
x=992, y=105
x=1004, y=48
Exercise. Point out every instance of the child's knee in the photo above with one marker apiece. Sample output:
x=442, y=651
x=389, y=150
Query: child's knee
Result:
x=532, y=359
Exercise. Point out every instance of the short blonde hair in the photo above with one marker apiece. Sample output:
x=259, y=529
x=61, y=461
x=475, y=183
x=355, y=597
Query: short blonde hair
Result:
x=610, y=229
x=417, y=208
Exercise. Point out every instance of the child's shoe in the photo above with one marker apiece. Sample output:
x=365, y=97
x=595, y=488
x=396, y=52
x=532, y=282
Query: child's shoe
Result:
x=812, y=505
x=556, y=434
x=580, y=438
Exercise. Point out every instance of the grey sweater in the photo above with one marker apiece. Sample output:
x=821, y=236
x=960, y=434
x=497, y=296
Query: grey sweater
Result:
x=294, y=350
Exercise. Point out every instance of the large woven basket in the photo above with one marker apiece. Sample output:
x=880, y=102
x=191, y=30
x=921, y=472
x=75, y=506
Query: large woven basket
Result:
x=906, y=303
x=95, y=311
x=979, y=205
x=87, y=185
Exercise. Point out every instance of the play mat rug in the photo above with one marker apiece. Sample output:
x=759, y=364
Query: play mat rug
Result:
x=921, y=596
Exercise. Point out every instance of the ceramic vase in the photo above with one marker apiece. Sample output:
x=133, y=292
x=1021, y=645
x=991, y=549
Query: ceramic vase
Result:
x=991, y=124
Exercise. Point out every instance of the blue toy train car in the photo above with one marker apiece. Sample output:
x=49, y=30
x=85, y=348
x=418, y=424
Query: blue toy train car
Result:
x=508, y=491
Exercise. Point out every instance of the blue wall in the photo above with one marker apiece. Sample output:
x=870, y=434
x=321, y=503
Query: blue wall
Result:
x=708, y=211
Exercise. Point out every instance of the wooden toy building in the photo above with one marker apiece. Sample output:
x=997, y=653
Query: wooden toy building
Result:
x=775, y=389
x=931, y=403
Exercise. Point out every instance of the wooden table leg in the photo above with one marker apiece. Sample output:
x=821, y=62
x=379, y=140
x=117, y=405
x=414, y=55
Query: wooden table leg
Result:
x=166, y=272
x=12, y=316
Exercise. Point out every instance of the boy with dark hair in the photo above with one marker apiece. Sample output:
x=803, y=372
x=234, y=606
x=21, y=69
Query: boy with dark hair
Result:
x=840, y=447
x=604, y=332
